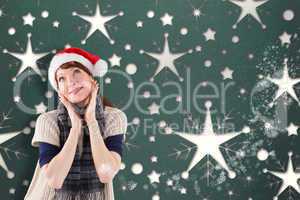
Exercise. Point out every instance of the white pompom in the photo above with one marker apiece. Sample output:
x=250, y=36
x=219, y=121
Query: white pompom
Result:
x=100, y=68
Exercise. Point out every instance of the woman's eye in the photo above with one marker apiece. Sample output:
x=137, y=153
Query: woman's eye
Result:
x=77, y=70
x=60, y=79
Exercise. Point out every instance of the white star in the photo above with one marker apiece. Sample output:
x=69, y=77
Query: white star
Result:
x=289, y=177
x=152, y=139
x=209, y=34
x=153, y=177
x=167, y=19
x=249, y=8
x=285, y=38
x=169, y=182
x=153, y=159
x=28, y=58
x=209, y=143
x=17, y=99
x=183, y=191
x=3, y=138
x=55, y=24
x=139, y=24
x=197, y=12
x=28, y=19
x=166, y=59
x=227, y=73
x=40, y=108
x=114, y=60
x=292, y=129
x=285, y=84
x=97, y=22
x=153, y=108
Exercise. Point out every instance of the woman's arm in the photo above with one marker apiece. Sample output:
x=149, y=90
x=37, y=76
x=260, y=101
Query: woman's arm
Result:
x=58, y=168
x=107, y=163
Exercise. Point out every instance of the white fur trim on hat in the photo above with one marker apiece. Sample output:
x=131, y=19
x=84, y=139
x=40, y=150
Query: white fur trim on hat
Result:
x=100, y=68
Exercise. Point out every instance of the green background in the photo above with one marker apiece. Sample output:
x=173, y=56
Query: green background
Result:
x=258, y=53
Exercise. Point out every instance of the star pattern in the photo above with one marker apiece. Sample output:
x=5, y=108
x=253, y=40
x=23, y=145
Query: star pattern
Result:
x=289, y=177
x=249, y=8
x=285, y=83
x=166, y=59
x=97, y=22
x=209, y=143
x=28, y=58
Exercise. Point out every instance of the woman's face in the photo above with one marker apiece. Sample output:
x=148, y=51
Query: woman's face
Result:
x=74, y=83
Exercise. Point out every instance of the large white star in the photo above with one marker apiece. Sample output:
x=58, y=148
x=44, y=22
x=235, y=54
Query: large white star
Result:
x=97, y=22
x=166, y=59
x=28, y=58
x=3, y=138
x=209, y=143
x=249, y=8
x=285, y=84
x=289, y=177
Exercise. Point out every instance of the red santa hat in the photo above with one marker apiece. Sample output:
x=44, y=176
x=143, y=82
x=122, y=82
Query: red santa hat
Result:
x=96, y=65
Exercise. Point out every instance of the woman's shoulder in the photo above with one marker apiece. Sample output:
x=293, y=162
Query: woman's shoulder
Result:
x=46, y=129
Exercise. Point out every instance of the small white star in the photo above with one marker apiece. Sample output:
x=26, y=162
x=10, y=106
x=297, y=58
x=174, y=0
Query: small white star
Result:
x=139, y=24
x=28, y=19
x=152, y=139
x=183, y=191
x=292, y=129
x=285, y=38
x=55, y=24
x=169, y=182
x=197, y=12
x=154, y=177
x=17, y=99
x=167, y=19
x=114, y=60
x=153, y=108
x=227, y=73
x=127, y=47
x=209, y=34
x=153, y=159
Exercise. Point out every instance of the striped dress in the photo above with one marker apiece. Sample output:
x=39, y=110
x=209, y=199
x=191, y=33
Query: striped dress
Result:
x=47, y=131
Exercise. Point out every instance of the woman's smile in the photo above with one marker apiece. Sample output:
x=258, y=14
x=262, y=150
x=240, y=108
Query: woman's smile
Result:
x=75, y=91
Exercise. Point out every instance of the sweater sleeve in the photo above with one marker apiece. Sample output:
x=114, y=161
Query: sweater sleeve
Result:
x=47, y=152
x=46, y=130
x=116, y=123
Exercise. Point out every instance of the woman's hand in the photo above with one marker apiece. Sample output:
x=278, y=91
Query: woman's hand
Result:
x=89, y=115
x=75, y=118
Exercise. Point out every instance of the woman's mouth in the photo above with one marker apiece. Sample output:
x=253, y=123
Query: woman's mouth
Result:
x=75, y=91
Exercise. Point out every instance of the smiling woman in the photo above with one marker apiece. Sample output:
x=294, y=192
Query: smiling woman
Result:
x=80, y=142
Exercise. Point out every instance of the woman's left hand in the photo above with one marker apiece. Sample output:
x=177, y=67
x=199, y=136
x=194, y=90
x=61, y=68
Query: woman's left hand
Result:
x=90, y=110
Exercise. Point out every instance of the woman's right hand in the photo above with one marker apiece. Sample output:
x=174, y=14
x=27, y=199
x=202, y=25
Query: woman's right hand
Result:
x=75, y=118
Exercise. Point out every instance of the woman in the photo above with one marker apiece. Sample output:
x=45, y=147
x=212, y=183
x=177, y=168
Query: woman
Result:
x=80, y=143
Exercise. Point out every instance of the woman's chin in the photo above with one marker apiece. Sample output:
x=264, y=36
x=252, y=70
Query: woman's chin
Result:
x=76, y=99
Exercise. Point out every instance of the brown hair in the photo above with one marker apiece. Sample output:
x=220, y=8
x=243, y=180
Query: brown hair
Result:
x=70, y=64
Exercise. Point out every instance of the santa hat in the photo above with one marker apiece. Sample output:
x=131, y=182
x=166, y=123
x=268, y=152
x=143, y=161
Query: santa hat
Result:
x=96, y=65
